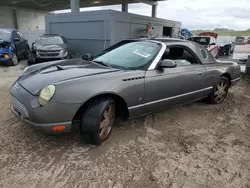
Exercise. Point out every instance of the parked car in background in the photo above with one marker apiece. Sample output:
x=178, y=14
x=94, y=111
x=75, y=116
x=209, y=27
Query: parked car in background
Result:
x=248, y=40
x=48, y=48
x=13, y=47
x=129, y=79
x=240, y=40
x=207, y=40
x=226, y=44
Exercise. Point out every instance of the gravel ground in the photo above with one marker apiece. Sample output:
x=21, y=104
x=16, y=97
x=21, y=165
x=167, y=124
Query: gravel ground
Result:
x=193, y=146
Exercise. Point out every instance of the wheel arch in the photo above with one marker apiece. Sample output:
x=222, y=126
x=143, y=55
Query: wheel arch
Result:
x=121, y=105
x=228, y=76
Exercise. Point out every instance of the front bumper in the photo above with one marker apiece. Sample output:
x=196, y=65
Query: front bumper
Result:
x=43, y=118
x=4, y=61
x=44, y=127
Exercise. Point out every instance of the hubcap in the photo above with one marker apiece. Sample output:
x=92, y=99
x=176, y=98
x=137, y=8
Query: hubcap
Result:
x=220, y=91
x=107, y=121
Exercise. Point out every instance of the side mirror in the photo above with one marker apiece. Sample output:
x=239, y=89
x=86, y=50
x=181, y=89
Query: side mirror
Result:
x=168, y=63
x=16, y=39
x=87, y=57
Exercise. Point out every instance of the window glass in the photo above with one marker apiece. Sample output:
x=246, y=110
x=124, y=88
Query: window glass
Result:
x=201, y=40
x=130, y=55
x=204, y=54
x=49, y=40
x=212, y=40
x=5, y=34
x=65, y=40
x=20, y=34
x=181, y=56
x=15, y=35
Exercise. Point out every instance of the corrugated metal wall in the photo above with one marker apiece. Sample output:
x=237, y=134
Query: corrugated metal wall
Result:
x=91, y=32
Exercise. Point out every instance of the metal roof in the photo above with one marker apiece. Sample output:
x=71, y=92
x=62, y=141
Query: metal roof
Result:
x=52, y=5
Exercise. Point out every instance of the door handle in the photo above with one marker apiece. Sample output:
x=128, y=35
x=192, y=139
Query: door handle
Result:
x=199, y=73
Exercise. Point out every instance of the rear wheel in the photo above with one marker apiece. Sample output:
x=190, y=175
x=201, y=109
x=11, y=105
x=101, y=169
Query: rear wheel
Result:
x=14, y=59
x=220, y=90
x=97, y=121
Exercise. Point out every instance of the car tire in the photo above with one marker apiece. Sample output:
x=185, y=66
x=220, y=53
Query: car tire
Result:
x=220, y=90
x=15, y=59
x=26, y=56
x=228, y=51
x=97, y=121
x=31, y=59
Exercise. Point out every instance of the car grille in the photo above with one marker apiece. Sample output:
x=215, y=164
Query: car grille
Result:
x=19, y=107
x=50, y=54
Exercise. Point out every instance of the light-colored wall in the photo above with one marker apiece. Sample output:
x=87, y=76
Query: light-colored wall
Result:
x=27, y=20
x=6, y=18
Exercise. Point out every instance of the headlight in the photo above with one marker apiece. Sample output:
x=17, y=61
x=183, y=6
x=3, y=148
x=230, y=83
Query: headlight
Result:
x=46, y=94
x=64, y=52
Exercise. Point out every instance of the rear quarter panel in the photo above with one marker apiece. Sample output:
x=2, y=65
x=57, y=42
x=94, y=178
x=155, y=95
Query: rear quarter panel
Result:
x=216, y=70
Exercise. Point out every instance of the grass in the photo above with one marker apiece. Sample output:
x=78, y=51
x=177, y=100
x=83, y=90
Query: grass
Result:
x=225, y=33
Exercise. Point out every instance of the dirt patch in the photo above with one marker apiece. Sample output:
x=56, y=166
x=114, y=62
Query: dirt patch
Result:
x=198, y=145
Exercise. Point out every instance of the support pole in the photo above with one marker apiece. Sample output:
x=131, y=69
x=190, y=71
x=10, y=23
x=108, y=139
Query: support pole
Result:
x=15, y=18
x=247, y=70
x=154, y=11
x=125, y=6
x=75, y=5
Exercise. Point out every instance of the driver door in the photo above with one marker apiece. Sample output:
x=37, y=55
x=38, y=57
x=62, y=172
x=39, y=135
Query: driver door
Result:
x=166, y=87
x=18, y=43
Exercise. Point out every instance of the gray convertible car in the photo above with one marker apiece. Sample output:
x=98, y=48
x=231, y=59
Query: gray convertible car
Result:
x=130, y=79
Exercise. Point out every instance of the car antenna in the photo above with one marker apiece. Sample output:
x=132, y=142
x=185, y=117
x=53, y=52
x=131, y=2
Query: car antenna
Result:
x=59, y=67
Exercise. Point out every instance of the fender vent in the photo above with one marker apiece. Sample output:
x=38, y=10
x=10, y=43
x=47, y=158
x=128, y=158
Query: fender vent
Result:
x=135, y=78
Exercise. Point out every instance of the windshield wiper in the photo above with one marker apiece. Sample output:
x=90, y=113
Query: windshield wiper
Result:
x=101, y=63
x=59, y=67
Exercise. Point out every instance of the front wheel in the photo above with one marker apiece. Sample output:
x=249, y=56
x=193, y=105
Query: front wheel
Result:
x=14, y=59
x=220, y=90
x=26, y=56
x=97, y=121
x=228, y=51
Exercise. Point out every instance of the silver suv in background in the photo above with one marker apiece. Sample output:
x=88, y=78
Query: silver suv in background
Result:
x=49, y=48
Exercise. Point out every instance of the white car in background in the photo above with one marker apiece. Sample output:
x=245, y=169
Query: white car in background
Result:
x=207, y=40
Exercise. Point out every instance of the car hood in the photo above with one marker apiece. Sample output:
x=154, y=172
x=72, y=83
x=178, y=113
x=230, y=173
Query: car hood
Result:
x=60, y=71
x=4, y=46
x=50, y=47
x=4, y=50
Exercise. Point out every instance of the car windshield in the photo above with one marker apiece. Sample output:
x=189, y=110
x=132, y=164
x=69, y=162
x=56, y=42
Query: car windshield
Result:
x=224, y=40
x=200, y=40
x=5, y=34
x=49, y=40
x=131, y=55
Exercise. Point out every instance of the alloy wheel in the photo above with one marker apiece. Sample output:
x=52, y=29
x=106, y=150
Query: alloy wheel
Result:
x=220, y=91
x=107, y=122
x=14, y=59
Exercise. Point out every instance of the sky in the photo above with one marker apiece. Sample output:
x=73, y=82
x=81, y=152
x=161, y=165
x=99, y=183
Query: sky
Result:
x=196, y=14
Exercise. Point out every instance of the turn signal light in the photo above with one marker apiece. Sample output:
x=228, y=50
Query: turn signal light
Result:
x=6, y=56
x=59, y=128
